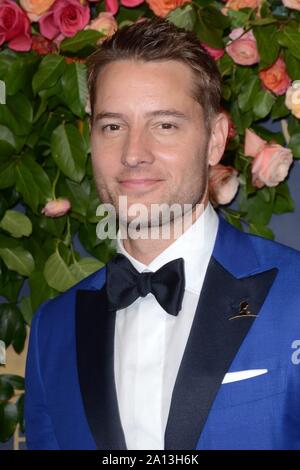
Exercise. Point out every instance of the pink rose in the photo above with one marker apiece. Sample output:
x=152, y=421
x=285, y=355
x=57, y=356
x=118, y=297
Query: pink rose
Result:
x=36, y=8
x=276, y=78
x=14, y=26
x=293, y=4
x=215, y=53
x=56, y=207
x=112, y=6
x=242, y=48
x=271, y=162
x=238, y=4
x=223, y=184
x=65, y=19
x=105, y=23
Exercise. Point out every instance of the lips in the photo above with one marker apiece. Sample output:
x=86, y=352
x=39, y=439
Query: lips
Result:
x=139, y=183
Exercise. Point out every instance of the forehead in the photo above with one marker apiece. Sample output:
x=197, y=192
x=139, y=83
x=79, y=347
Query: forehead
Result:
x=131, y=82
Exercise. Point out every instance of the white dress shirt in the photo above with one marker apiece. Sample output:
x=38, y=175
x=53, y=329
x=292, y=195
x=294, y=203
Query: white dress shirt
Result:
x=149, y=342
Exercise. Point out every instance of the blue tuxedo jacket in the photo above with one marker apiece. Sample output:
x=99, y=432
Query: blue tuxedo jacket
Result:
x=71, y=400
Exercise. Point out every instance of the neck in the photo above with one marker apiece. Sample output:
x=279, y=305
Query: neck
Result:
x=146, y=250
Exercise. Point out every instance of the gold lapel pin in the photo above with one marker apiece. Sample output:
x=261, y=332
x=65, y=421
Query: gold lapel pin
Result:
x=244, y=311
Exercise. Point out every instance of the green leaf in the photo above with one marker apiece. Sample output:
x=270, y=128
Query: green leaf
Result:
x=238, y=18
x=33, y=182
x=248, y=94
x=26, y=309
x=10, y=317
x=226, y=65
x=17, y=114
x=261, y=230
x=263, y=103
x=7, y=173
x=39, y=289
x=74, y=88
x=241, y=120
x=48, y=73
x=234, y=221
x=15, y=256
x=16, y=69
x=258, y=206
x=68, y=151
x=82, y=39
x=267, y=44
x=6, y=391
x=214, y=18
x=15, y=381
x=7, y=141
x=10, y=283
x=279, y=109
x=84, y=267
x=20, y=409
x=283, y=200
x=19, y=338
x=210, y=36
x=8, y=420
x=292, y=64
x=16, y=223
x=18, y=260
x=58, y=274
x=102, y=250
x=77, y=193
x=183, y=17
x=290, y=38
x=294, y=144
x=293, y=125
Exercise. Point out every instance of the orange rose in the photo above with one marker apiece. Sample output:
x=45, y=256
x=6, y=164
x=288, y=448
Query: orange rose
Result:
x=162, y=7
x=36, y=8
x=104, y=23
x=238, y=4
x=276, y=78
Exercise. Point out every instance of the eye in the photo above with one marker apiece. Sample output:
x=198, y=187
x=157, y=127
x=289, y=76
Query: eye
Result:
x=110, y=125
x=168, y=124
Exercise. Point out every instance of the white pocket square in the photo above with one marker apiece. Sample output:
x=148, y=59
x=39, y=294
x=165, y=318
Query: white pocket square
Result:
x=242, y=375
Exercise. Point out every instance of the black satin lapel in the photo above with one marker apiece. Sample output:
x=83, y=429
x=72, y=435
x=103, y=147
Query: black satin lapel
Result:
x=212, y=345
x=95, y=328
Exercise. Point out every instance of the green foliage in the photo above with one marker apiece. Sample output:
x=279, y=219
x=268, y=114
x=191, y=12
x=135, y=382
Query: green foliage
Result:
x=45, y=154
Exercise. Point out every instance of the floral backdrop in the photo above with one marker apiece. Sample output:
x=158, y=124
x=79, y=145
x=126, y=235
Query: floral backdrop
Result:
x=47, y=192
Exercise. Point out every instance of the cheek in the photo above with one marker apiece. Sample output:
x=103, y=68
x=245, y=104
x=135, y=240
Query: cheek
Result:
x=104, y=159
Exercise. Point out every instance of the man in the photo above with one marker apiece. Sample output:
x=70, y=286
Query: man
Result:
x=180, y=342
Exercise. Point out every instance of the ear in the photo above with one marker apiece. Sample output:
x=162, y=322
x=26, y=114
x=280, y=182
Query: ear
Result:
x=218, y=138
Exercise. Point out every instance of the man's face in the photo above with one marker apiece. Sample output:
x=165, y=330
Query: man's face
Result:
x=139, y=152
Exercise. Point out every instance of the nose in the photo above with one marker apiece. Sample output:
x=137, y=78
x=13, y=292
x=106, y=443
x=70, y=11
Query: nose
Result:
x=136, y=149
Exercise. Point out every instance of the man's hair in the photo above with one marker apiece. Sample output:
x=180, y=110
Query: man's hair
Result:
x=157, y=39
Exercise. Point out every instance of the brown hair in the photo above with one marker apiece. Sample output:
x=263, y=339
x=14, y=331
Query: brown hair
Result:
x=157, y=39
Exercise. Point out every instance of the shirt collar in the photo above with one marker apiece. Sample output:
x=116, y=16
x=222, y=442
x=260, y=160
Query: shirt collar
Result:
x=195, y=246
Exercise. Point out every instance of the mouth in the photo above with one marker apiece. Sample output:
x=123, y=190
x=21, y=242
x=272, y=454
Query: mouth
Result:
x=141, y=183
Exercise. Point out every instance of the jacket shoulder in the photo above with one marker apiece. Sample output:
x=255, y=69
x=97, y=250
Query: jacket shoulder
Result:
x=61, y=308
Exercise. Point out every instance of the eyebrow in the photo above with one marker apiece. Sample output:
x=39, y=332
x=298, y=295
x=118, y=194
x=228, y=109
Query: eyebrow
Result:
x=158, y=112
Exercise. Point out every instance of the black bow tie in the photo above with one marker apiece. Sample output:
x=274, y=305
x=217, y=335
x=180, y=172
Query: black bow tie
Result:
x=124, y=284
